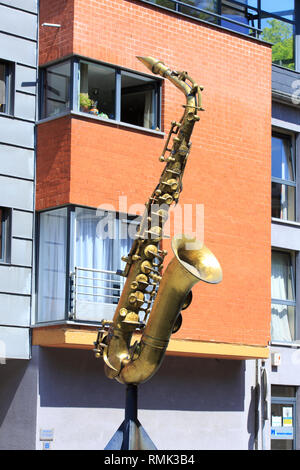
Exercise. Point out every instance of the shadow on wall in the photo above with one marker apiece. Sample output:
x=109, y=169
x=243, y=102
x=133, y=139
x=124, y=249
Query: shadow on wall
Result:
x=74, y=378
x=17, y=405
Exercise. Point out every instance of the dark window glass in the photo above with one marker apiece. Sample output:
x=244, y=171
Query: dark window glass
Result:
x=283, y=178
x=97, y=90
x=5, y=87
x=235, y=12
x=138, y=100
x=4, y=234
x=283, y=391
x=208, y=5
x=57, y=89
x=1, y=233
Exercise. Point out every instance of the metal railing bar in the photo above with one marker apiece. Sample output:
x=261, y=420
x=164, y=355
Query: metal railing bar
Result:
x=210, y=13
x=116, y=297
x=98, y=287
x=99, y=279
x=96, y=270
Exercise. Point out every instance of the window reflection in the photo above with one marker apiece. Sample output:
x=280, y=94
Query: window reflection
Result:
x=57, y=89
x=283, y=178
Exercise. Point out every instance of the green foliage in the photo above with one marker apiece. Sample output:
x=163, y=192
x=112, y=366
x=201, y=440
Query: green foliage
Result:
x=281, y=35
x=85, y=101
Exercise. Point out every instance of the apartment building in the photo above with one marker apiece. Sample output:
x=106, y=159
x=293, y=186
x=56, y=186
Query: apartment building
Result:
x=18, y=91
x=230, y=376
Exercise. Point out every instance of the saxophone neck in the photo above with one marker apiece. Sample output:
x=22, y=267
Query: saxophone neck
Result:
x=180, y=79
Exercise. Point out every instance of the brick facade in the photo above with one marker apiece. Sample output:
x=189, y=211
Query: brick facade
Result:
x=86, y=162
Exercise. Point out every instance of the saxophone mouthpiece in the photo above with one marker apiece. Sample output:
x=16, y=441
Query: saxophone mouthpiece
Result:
x=154, y=65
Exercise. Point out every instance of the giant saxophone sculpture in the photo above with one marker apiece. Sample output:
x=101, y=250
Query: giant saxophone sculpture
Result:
x=158, y=298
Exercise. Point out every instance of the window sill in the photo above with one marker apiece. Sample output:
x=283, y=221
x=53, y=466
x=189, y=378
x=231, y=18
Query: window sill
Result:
x=286, y=344
x=285, y=222
x=8, y=115
x=102, y=120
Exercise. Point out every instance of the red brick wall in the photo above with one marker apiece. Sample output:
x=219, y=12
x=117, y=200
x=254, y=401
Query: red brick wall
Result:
x=53, y=163
x=55, y=42
x=229, y=167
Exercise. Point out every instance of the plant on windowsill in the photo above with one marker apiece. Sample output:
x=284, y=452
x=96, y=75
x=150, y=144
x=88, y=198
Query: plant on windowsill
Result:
x=85, y=102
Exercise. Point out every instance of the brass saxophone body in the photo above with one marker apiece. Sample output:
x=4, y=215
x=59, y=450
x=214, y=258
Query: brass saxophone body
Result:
x=133, y=349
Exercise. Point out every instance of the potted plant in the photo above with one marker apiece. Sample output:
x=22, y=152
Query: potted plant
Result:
x=85, y=102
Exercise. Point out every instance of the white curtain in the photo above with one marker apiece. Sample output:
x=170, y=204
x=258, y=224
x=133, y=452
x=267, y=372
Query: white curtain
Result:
x=99, y=246
x=52, y=265
x=281, y=289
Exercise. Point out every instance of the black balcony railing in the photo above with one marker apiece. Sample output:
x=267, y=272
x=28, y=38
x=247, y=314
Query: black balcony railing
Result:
x=275, y=27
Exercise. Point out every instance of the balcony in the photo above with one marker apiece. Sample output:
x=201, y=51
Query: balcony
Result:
x=94, y=294
x=260, y=19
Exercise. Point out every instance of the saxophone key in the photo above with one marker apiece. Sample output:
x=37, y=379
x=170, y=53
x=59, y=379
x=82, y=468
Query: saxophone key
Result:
x=166, y=198
x=136, y=298
x=151, y=251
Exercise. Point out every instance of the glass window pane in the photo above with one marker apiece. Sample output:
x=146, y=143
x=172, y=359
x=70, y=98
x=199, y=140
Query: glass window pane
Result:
x=283, y=201
x=138, y=96
x=236, y=13
x=283, y=391
x=57, y=88
x=282, y=158
x=2, y=87
x=52, y=265
x=282, y=278
x=281, y=35
x=282, y=425
x=97, y=90
x=101, y=241
x=282, y=322
x=165, y=3
x=208, y=5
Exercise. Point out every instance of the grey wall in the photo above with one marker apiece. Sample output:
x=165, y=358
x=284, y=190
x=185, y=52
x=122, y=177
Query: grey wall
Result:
x=191, y=403
x=18, y=404
x=18, y=45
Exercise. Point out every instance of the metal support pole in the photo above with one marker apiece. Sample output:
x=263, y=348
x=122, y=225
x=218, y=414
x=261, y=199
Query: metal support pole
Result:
x=131, y=435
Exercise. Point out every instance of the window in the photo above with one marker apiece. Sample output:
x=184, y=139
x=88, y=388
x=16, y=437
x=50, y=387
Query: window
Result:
x=101, y=91
x=283, y=178
x=4, y=234
x=283, y=417
x=56, y=85
x=97, y=90
x=283, y=297
x=119, y=95
x=5, y=87
x=80, y=252
x=277, y=21
x=272, y=20
x=52, y=265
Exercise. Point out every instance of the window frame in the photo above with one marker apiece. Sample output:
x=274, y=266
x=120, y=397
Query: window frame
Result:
x=5, y=235
x=288, y=303
x=289, y=401
x=70, y=261
x=9, y=88
x=74, y=91
x=42, y=89
x=292, y=137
